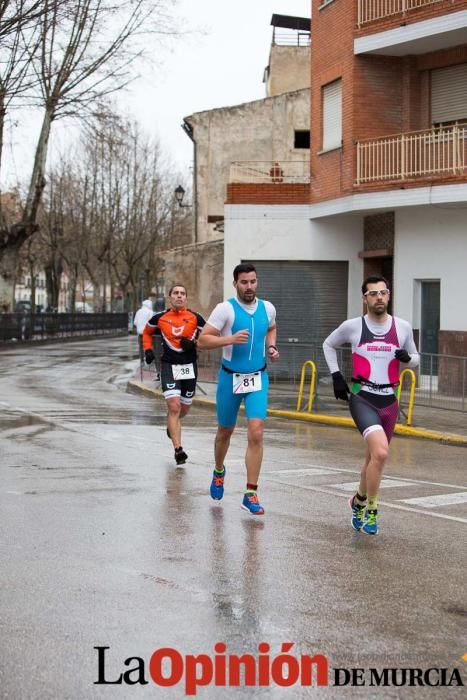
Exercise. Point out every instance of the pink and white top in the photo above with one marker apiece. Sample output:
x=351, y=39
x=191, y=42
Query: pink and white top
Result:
x=373, y=350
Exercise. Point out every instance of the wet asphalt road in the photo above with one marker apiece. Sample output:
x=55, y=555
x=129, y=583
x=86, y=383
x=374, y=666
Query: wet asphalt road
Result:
x=105, y=543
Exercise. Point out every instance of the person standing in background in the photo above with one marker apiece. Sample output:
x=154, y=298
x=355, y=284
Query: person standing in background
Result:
x=142, y=316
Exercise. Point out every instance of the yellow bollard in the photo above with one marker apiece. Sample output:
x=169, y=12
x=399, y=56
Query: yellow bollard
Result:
x=312, y=385
x=413, y=384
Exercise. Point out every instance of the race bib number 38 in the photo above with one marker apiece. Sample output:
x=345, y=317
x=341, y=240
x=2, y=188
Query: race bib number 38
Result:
x=183, y=372
x=246, y=383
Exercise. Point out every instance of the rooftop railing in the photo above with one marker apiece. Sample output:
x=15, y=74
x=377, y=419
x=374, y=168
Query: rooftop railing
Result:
x=292, y=39
x=372, y=10
x=439, y=151
x=268, y=171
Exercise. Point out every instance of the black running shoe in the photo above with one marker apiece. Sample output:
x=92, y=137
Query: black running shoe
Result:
x=180, y=455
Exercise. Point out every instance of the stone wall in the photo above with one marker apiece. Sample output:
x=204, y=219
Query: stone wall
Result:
x=200, y=269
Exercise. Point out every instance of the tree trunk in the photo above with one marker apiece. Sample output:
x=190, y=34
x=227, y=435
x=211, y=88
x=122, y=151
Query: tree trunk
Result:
x=8, y=261
x=14, y=237
x=72, y=289
x=33, y=287
x=37, y=184
x=2, y=126
x=53, y=274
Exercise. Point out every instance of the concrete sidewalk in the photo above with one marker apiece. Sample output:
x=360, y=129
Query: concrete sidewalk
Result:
x=434, y=424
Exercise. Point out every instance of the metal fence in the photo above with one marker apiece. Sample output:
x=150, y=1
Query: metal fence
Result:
x=46, y=326
x=441, y=379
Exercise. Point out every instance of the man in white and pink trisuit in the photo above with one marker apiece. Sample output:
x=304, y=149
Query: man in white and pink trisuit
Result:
x=380, y=343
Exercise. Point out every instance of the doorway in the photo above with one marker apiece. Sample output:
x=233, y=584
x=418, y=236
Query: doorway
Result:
x=429, y=326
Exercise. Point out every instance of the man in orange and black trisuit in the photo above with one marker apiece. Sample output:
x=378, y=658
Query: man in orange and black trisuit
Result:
x=179, y=328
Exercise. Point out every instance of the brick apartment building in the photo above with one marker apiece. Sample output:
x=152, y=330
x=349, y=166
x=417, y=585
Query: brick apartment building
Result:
x=388, y=176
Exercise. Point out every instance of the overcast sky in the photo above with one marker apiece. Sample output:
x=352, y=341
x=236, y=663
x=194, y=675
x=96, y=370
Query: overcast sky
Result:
x=217, y=63
x=222, y=66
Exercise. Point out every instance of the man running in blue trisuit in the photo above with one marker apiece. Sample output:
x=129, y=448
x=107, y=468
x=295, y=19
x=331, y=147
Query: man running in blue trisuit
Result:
x=245, y=327
x=380, y=343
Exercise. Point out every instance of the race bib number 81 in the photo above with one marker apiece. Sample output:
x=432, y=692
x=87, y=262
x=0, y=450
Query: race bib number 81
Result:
x=246, y=383
x=183, y=372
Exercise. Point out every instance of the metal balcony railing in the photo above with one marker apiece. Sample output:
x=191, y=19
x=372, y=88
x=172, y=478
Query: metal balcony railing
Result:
x=439, y=151
x=269, y=171
x=292, y=39
x=372, y=10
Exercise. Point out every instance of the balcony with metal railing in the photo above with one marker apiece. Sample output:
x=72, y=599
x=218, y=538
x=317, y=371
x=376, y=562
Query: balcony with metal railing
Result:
x=438, y=153
x=373, y=10
x=269, y=182
x=409, y=27
x=270, y=171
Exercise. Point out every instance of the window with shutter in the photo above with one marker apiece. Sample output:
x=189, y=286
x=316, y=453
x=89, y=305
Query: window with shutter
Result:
x=332, y=115
x=449, y=94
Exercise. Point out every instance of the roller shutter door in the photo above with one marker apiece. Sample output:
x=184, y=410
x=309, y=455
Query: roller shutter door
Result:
x=310, y=299
x=449, y=94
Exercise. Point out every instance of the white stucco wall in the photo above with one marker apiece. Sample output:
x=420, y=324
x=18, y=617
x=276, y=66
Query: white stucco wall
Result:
x=286, y=233
x=431, y=244
x=262, y=130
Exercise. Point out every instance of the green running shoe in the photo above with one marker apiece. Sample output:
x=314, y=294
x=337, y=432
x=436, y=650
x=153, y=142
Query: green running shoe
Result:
x=370, y=525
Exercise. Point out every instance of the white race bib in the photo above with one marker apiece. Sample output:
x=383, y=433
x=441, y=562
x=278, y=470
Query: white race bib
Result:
x=183, y=372
x=246, y=383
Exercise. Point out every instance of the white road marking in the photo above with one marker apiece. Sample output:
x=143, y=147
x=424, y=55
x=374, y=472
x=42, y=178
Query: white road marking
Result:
x=315, y=471
x=385, y=483
x=396, y=506
x=444, y=499
x=357, y=471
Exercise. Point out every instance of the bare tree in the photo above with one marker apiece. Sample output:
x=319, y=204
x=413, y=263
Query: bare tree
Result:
x=132, y=191
x=109, y=214
x=86, y=50
x=18, y=40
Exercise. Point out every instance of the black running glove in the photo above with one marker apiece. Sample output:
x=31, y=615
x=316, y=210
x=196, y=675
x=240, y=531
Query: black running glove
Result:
x=402, y=355
x=149, y=356
x=341, y=390
x=187, y=344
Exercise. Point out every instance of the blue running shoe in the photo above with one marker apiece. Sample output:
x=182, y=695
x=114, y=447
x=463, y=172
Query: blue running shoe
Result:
x=358, y=514
x=370, y=525
x=217, y=485
x=251, y=503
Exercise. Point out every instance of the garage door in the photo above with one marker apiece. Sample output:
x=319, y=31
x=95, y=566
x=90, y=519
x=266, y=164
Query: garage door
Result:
x=310, y=299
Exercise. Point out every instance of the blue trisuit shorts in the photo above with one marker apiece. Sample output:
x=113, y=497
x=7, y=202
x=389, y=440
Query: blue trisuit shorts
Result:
x=228, y=403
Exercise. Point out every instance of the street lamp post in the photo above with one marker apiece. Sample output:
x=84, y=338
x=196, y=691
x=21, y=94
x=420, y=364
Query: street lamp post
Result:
x=179, y=193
